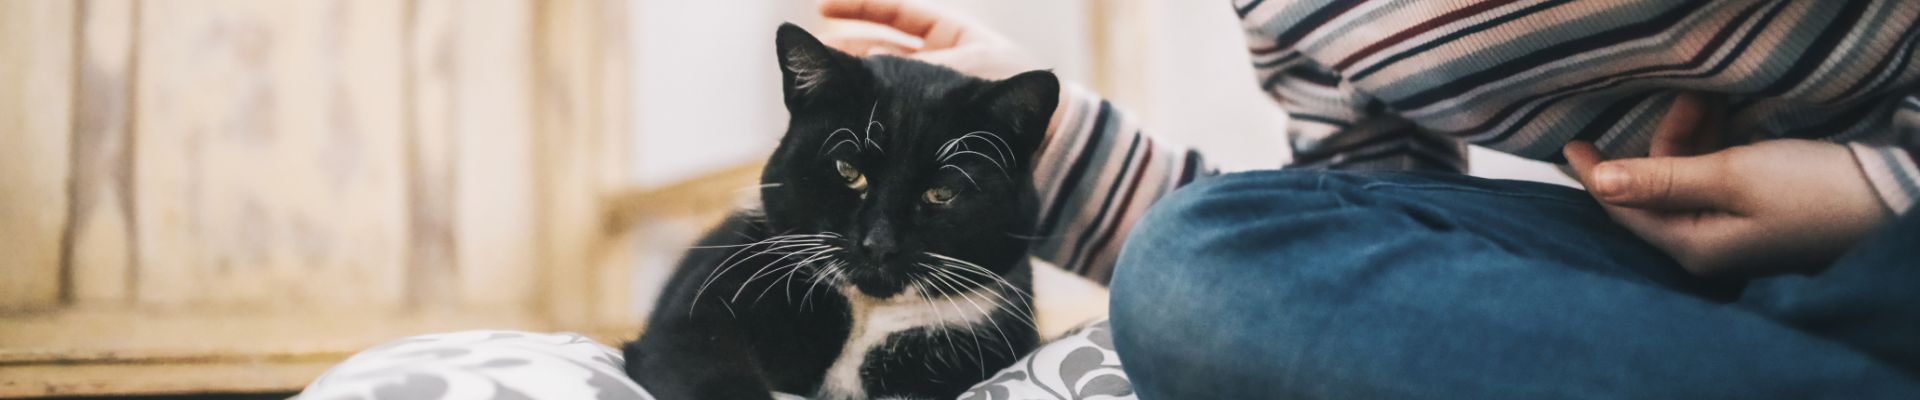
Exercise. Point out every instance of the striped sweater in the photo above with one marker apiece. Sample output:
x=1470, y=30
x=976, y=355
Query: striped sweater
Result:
x=1407, y=84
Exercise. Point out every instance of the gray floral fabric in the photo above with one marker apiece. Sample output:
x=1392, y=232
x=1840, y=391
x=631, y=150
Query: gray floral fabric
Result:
x=509, y=365
x=1081, y=365
x=503, y=365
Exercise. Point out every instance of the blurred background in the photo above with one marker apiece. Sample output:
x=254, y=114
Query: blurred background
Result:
x=227, y=196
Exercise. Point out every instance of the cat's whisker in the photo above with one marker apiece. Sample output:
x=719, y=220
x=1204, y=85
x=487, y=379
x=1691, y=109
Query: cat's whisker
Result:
x=785, y=241
x=836, y=146
x=963, y=172
x=941, y=289
x=1000, y=147
x=936, y=293
x=765, y=241
x=983, y=271
x=821, y=254
x=869, y=128
x=776, y=273
x=771, y=268
x=996, y=163
x=809, y=261
x=829, y=139
x=999, y=144
x=716, y=273
x=731, y=261
x=979, y=355
x=1020, y=310
x=782, y=240
x=819, y=277
x=1018, y=293
x=815, y=251
x=792, y=269
x=927, y=301
x=952, y=282
x=946, y=148
x=976, y=269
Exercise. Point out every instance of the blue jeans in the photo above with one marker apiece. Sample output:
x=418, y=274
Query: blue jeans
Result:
x=1307, y=284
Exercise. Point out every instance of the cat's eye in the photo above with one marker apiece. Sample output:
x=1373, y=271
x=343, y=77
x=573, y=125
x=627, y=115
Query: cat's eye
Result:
x=853, y=178
x=939, y=196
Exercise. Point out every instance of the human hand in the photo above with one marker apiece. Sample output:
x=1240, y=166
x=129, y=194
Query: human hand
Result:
x=946, y=38
x=1771, y=207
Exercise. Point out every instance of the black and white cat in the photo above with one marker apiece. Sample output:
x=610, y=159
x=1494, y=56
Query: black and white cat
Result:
x=887, y=260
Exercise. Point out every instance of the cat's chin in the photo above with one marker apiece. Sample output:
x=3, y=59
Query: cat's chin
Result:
x=877, y=289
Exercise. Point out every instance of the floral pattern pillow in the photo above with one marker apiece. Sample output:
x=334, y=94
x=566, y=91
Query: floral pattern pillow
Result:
x=1081, y=365
x=505, y=365
x=526, y=365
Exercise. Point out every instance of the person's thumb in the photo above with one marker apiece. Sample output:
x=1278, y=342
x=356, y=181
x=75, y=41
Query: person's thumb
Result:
x=1664, y=183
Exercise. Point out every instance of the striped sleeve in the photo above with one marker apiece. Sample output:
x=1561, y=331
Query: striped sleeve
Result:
x=1096, y=175
x=1893, y=168
x=1332, y=125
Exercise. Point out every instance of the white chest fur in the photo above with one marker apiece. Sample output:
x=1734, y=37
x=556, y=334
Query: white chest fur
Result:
x=876, y=319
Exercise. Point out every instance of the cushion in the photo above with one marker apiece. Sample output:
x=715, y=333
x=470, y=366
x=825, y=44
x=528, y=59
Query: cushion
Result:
x=525, y=365
x=480, y=365
x=1080, y=365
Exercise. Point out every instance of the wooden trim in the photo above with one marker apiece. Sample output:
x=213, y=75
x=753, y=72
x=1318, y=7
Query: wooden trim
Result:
x=90, y=352
x=709, y=195
x=161, y=379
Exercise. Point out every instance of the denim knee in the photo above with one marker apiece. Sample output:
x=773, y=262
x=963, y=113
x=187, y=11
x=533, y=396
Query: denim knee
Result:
x=1186, y=246
x=1190, y=230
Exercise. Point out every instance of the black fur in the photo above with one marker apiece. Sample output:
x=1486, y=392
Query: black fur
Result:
x=756, y=328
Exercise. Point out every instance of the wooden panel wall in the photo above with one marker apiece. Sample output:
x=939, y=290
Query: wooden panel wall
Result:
x=581, y=94
x=485, y=108
x=99, y=238
x=235, y=152
x=249, y=184
x=36, y=98
x=269, y=143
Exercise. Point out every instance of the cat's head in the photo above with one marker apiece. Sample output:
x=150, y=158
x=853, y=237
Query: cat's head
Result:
x=917, y=176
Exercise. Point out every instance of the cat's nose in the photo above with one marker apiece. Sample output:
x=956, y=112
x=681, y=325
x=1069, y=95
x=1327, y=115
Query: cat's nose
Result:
x=878, y=242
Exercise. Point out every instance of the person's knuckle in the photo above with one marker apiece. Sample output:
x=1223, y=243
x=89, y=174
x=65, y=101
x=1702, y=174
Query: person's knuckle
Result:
x=1731, y=184
x=1663, y=175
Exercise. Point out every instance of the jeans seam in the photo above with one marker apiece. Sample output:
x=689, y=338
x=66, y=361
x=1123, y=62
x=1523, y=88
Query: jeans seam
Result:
x=1454, y=188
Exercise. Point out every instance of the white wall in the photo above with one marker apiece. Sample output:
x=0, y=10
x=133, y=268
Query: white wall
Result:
x=706, y=85
x=1199, y=87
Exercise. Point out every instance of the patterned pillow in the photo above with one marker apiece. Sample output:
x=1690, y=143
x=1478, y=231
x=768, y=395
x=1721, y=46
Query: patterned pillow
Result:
x=1081, y=365
x=524, y=365
x=480, y=365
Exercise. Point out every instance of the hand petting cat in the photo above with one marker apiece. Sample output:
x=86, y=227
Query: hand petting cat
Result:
x=1777, y=206
x=946, y=38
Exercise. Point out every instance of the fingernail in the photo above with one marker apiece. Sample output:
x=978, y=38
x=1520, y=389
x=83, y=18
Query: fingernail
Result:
x=881, y=51
x=1609, y=180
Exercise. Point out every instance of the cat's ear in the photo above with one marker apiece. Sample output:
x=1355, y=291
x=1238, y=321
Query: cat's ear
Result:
x=808, y=67
x=1026, y=101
